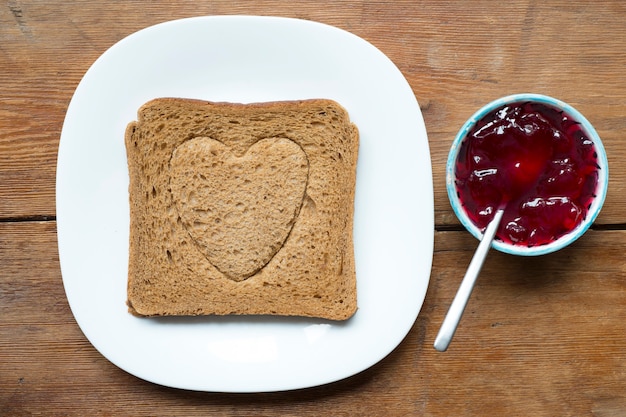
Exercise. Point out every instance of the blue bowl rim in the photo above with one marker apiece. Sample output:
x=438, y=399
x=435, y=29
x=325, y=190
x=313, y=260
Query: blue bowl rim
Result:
x=596, y=205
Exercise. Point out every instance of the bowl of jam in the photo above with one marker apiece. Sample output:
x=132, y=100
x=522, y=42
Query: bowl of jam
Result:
x=539, y=159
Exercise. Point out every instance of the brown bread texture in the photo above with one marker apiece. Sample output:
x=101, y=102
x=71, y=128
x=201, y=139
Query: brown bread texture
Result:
x=243, y=209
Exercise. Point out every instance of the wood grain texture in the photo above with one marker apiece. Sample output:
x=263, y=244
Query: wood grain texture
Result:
x=538, y=339
x=541, y=336
x=456, y=57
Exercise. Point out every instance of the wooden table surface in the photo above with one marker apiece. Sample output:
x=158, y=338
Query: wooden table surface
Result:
x=542, y=336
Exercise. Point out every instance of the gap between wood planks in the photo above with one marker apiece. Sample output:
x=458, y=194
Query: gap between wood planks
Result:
x=598, y=227
x=24, y=219
x=438, y=227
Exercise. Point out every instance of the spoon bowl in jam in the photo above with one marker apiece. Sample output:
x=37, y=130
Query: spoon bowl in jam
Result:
x=537, y=157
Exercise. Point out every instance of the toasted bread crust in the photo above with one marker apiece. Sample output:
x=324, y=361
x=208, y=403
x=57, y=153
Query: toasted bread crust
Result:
x=204, y=242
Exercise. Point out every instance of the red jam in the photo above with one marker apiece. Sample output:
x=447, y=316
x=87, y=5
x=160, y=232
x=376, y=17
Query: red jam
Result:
x=534, y=160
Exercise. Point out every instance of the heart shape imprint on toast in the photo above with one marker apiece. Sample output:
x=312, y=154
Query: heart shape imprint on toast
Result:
x=239, y=210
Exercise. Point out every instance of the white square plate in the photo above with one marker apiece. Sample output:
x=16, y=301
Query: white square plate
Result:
x=246, y=59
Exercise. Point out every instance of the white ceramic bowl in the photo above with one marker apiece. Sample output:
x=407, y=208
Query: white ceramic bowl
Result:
x=597, y=202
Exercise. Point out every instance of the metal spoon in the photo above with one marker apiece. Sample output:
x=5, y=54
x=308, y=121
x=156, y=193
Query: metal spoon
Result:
x=457, y=307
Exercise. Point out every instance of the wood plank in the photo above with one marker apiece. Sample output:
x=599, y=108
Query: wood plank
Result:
x=541, y=336
x=455, y=56
x=536, y=332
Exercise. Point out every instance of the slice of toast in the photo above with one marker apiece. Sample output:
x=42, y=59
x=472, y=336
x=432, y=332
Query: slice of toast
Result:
x=242, y=209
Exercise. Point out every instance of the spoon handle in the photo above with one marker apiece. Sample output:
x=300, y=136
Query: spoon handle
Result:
x=457, y=307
